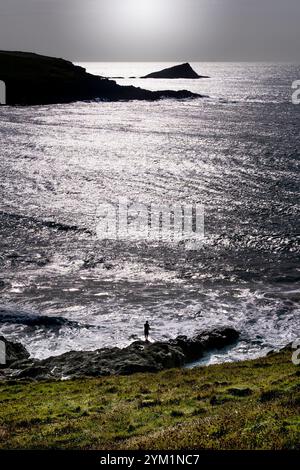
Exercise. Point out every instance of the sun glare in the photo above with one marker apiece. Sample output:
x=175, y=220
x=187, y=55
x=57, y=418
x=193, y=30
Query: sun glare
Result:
x=145, y=10
x=142, y=15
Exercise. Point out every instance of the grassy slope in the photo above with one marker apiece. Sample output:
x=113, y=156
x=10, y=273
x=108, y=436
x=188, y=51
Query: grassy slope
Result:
x=246, y=405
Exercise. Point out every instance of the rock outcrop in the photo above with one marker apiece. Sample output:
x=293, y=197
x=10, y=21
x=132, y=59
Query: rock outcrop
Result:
x=32, y=79
x=138, y=357
x=13, y=352
x=177, y=71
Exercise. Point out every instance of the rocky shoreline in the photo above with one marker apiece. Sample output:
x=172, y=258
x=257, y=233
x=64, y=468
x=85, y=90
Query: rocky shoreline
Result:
x=137, y=357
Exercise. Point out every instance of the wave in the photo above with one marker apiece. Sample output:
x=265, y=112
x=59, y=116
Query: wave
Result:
x=44, y=223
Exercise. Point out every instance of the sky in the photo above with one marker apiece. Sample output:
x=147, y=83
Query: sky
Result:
x=153, y=30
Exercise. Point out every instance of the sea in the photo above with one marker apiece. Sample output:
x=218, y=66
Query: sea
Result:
x=235, y=151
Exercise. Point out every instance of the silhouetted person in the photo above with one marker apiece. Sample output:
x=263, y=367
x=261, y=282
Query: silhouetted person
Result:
x=146, y=330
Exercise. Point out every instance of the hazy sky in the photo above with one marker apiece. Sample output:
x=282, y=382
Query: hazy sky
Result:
x=159, y=30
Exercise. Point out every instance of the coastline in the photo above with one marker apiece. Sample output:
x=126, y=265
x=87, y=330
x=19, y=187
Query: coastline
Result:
x=139, y=356
x=141, y=396
x=31, y=79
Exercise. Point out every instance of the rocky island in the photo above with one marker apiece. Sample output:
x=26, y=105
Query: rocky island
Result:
x=177, y=71
x=33, y=79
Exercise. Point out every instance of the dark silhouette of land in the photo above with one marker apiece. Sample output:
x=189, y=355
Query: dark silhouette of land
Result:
x=33, y=79
x=177, y=71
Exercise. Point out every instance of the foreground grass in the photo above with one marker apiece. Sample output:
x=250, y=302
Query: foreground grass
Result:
x=245, y=405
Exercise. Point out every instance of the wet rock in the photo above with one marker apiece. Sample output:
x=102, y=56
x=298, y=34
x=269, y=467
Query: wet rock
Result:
x=13, y=352
x=34, y=372
x=21, y=365
x=195, y=347
x=12, y=317
x=139, y=356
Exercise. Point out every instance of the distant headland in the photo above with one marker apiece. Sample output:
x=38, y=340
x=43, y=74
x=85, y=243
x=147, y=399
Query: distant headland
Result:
x=33, y=79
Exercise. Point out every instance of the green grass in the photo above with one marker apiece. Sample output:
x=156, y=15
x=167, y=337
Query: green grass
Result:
x=245, y=405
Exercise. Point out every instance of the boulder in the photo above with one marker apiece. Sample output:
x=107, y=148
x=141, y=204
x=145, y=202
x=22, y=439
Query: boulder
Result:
x=208, y=340
x=13, y=352
x=177, y=71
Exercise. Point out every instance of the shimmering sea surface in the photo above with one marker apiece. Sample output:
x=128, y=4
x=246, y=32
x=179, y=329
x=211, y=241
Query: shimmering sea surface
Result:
x=236, y=151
